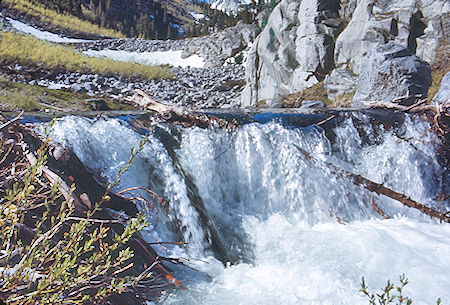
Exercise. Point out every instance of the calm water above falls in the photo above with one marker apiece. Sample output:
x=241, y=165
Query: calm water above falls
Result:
x=249, y=198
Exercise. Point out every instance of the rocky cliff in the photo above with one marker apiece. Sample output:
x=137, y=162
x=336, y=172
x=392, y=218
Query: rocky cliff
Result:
x=309, y=41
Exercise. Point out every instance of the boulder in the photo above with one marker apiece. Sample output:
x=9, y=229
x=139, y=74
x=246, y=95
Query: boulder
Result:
x=392, y=72
x=443, y=95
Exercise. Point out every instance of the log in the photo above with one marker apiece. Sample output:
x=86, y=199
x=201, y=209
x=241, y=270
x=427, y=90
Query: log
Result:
x=177, y=114
x=379, y=189
x=419, y=106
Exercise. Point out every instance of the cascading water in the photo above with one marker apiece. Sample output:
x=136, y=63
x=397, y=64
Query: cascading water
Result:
x=289, y=230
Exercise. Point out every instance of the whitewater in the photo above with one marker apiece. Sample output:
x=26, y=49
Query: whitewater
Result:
x=279, y=228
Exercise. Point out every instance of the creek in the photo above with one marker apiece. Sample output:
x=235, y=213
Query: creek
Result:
x=265, y=225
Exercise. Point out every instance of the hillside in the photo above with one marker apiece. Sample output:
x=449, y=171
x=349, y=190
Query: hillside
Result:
x=151, y=19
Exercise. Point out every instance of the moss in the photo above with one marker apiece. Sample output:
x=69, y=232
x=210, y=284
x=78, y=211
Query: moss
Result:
x=261, y=104
x=314, y=93
x=17, y=96
x=29, y=50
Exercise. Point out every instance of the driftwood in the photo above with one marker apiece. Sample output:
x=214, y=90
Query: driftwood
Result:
x=420, y=106
x=379, y=189
x=177, y=114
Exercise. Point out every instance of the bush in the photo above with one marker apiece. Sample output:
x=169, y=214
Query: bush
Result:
x=388, y=294
x=66, y=259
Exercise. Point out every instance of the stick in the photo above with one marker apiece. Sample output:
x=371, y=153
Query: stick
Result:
x=379, y=189
x=18, y=117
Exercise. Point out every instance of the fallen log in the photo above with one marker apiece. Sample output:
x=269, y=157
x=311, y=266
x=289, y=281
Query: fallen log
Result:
x=177, y=114
x=377, y=188
x=420, y=106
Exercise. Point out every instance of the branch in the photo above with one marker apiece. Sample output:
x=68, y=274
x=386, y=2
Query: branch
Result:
x=18, y=117
x=379, y=189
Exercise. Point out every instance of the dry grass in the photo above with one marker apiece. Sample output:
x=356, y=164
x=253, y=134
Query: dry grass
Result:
x=69, y=22
x=29, y=50
x=344, y=100
x=440, y=67
x=315, y=93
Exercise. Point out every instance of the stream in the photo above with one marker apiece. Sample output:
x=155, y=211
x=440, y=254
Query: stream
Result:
x=265, y=225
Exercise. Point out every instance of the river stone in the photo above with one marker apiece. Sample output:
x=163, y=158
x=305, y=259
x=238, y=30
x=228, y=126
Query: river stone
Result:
x=443, y=95
x=390, y=72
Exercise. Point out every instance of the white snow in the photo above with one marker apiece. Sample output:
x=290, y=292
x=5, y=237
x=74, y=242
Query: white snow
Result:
x=44, y=35
x=230, y=6
x=173, y=58
x=198, y=16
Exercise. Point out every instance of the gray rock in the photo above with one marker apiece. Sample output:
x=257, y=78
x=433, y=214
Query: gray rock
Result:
x=97, y=104
x=392, y=72
x=113, y=91
x=443, y=95
x=78, y=88
x=414, y=24
x=312, y=104
x=304, y=40
x=293, y=52
x=88, y=86
x=99, y=80
x=339, y=82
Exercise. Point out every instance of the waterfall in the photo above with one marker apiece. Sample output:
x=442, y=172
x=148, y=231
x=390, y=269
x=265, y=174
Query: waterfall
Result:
x=287, y=230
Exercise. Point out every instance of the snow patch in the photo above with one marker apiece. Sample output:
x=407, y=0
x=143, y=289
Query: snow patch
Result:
x=230, y=6
x=197, y=16
x=173, y=58
x=43, y=35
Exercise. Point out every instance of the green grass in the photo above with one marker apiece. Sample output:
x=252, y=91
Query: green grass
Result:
x=17, y=96
x=56, y=19
x=29, y=50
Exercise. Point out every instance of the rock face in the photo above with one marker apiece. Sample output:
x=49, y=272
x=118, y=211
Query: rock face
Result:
x=443, y=95
x=390, y=72
x=294, y=51
x=340, y=81
x=305, y=40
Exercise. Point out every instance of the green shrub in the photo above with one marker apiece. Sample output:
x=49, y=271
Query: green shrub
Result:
x=68, y=260
x=389, y=294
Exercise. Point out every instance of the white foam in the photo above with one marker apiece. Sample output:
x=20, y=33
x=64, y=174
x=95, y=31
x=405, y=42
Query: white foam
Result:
x=43, y=35
x=173, y=58
x=323, y=264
